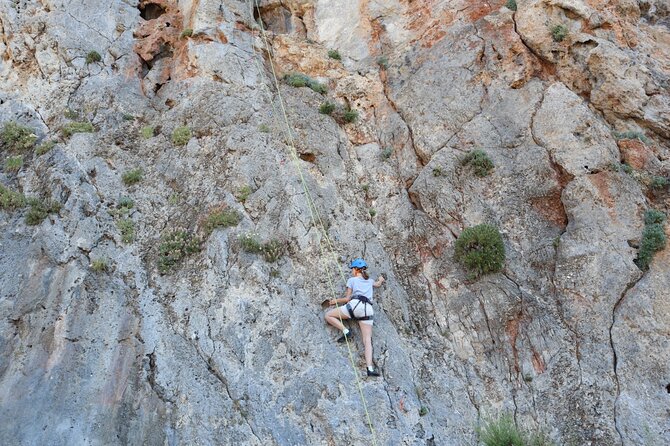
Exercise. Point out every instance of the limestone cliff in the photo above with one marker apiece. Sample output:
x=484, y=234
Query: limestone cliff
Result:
x=134, y=310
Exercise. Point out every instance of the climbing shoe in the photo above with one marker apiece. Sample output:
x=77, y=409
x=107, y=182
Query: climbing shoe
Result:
x=374, y=372
x=345, y=336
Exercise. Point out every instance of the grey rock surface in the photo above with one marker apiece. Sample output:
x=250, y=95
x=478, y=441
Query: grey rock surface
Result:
x=228, y=347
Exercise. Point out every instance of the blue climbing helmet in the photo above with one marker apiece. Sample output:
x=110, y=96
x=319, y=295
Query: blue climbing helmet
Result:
x=358, y=263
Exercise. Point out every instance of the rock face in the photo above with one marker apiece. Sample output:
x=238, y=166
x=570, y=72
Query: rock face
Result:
x=111, y=335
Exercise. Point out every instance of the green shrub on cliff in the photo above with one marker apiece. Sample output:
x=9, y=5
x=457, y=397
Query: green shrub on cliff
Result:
x=479, y=162
x=17, y=138
x=480, y=250
x=653, y=238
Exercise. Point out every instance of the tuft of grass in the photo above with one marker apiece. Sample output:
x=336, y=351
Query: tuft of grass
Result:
x=263, y=128
x=71, y=114
x=327, y=108
x=273, y=250
x=479, y=161
x=437, y=171
x=350, y=116
x=188, y=32
x=45, y=147
x=132, y=176
x=174, y=247
x=654, y=217
x=386, y=153
x=653, y=238
x=181, y=136
x=659, y=183
x=128, y=117
x=559, y=32
x=423, y=411
x=334, y=54
x=147, y=132
x=383, y=62
x=223, y=218
x=243, y=193
x=250, y=243
x=39, y=210
x=13, y=164
x=17, y=138
x=480, y=250
x=631, y=135
x=93, y=56
x=627, y=168
x=501, y=432
x=11, y=200
x=71, y=128
x=126, y=228
x=365, y=187
x=301, y=80
x=99, y=265
x=511, y=5
x=372, y=212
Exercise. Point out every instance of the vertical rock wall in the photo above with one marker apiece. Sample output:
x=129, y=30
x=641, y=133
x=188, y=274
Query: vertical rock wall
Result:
x=229, y=348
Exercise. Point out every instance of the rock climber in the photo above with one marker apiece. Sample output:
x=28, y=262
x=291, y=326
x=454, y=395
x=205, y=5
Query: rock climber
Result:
x=357, y=304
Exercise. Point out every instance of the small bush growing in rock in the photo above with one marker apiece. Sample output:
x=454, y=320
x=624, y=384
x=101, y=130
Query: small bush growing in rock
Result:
x=250, y=243
x=13, y=164
x=99, y=265
x=423, y=411
x=77, y=127
x=132, y=176
x=273, y=250
x=71, y=114
x=263, y=128
x=559, y=32
x=45, y=147
x=126, y=228
x=383, y=62
x=125, y=203
x=174, y=247
x=627, y=168
x=654, y=217
x=302, y=80
x=511, y=5
x=501, y=432
x=372, y=212
x=480, y=250
x=334, y=54
x=147, y=132
x=243, y=193
x=128, y=117
x=181, y=136
x=659, y=183
x=386, y=153
x=350, y=115
x=437, y=171
x=631, y=135
x=327, y=108
x=10, y=200
x=653, y=238
x=93, y=56
x=479, y=161
x=188, y=32
x=223, y=218
x=15, y=137
x=39, y=210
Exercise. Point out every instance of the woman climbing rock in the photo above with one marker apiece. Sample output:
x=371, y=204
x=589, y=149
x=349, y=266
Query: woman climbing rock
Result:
x=357, y=304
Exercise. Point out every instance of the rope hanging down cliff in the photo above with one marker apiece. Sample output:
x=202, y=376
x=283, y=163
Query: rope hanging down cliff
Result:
x=314, y=212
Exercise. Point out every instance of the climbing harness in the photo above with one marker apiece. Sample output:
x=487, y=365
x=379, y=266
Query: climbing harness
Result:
x=313, y=210
x=360, y=299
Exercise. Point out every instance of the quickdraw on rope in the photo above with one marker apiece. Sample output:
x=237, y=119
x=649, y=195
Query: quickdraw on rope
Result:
x=314, y=212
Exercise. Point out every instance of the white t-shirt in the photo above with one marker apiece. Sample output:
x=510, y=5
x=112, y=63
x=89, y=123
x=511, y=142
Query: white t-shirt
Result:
x=360, y=286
